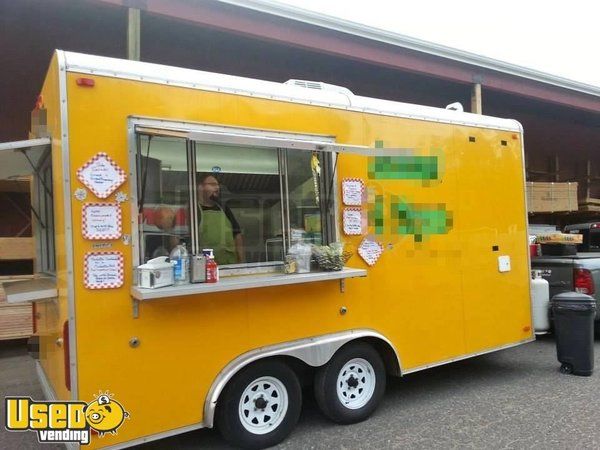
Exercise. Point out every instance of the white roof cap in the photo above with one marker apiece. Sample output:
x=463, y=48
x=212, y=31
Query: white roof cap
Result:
x=196, y=79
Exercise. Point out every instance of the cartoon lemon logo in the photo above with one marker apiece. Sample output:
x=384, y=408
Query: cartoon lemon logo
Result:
x=105, y=414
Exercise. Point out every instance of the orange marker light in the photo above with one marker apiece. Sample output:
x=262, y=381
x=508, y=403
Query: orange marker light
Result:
x=85, y=82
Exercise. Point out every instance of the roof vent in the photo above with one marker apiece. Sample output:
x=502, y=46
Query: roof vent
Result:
x=456, y=106
x=320, y=86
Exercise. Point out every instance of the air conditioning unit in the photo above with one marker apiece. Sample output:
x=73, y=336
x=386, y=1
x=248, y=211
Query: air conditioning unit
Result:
x=320, y=86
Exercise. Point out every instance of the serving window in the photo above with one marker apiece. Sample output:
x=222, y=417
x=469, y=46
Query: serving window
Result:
x=247, y=202
x=163, y=194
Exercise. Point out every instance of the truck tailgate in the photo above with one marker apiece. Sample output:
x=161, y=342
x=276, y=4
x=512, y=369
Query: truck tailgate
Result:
x=558, y=273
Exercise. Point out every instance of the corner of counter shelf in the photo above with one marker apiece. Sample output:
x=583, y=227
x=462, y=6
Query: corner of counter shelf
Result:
x=29, y=289
x=360, y=273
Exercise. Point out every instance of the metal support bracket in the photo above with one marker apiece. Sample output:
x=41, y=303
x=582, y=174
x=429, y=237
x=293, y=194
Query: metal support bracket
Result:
x=36, y=171
x=135, y=305
x=342, y=285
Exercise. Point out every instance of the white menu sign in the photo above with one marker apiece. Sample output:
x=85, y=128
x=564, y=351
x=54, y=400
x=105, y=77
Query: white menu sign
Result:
x=352, y=191
x=353, y=221
x=101, y=221
x=370, y=250
x=101, y=175
x=103, y=270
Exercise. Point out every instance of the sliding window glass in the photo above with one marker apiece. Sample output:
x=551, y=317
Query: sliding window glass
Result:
x=254, y=202
x=247, y=203
x=305, y=197
x=239, y=203
x=163, y=194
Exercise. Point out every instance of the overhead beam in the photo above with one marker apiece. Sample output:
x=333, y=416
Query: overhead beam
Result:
x=262, y=26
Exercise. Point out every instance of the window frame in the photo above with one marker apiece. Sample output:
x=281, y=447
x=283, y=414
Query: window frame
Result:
x=42, y=203
x=139, y=244
x=193, y=133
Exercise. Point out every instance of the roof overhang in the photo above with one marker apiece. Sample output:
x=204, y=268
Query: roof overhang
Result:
x=419, y=45
x=287, y=25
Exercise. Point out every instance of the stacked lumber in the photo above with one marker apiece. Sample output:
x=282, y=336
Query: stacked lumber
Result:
x=551, y=197
x=559, y=238
x=16, y=321
x=16, y=248
x=590, y=204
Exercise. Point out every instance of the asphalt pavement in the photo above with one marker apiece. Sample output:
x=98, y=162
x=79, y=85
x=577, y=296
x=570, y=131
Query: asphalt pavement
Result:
x=512, y=399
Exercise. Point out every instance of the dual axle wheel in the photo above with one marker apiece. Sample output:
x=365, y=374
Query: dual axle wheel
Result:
x=261, y=405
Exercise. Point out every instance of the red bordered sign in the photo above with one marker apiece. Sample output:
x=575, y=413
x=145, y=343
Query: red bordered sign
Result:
x=354, y=221
x=101, y=221
x=370, y=251
x=101, y=175
x=353, y=191
x=103, y=270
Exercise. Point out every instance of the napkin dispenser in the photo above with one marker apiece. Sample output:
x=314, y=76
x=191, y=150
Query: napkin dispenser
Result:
x=157, y=272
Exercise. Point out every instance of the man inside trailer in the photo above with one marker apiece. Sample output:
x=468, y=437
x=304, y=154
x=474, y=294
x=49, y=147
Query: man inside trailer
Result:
x=218, y=227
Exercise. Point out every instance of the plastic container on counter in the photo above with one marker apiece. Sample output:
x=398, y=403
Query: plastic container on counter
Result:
x=180, y=259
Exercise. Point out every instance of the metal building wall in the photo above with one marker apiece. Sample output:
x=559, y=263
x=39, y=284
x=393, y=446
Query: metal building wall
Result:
x=30, y=30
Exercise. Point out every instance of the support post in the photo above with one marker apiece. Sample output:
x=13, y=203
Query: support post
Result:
x=588, y=179
x=476, y=103
x=133, y=34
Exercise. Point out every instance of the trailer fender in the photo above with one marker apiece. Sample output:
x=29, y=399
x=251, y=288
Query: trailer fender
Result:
x=314, y=351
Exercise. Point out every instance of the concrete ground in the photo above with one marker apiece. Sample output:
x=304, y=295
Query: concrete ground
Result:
x=513, y=399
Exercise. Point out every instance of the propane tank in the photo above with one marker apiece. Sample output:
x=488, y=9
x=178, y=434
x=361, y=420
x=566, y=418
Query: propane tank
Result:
x=540, y=298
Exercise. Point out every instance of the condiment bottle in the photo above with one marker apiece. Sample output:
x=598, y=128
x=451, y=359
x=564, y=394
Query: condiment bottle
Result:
x=212, y=268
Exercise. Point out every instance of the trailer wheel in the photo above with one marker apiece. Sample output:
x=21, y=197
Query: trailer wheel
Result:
x=350, y=386
x=260, y=406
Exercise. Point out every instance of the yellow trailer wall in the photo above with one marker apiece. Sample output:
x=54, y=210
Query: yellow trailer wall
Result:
x=438, y=300
x=52, y=314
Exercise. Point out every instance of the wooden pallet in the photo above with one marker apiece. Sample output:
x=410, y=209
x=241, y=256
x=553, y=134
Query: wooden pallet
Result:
x=590, y=204
x=551, y=197
x=16, y=320
x=16, y=248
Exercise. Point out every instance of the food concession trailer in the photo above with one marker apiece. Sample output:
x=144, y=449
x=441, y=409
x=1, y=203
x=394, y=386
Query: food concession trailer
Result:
x=429, y=201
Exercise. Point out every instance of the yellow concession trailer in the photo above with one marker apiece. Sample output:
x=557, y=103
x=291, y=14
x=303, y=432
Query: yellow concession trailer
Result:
x=429, y=202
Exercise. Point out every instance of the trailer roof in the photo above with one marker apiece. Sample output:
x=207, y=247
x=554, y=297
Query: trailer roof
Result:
x=328, y=97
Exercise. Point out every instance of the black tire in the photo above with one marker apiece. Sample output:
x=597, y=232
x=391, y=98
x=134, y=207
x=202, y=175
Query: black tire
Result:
x=228, y=413
x=326, y=383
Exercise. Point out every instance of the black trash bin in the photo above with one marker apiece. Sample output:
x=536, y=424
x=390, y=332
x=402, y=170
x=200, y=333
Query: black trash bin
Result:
x=574, y=315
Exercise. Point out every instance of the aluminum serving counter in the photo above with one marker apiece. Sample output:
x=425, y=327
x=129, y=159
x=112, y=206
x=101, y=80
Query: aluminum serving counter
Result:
x=237, y=282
